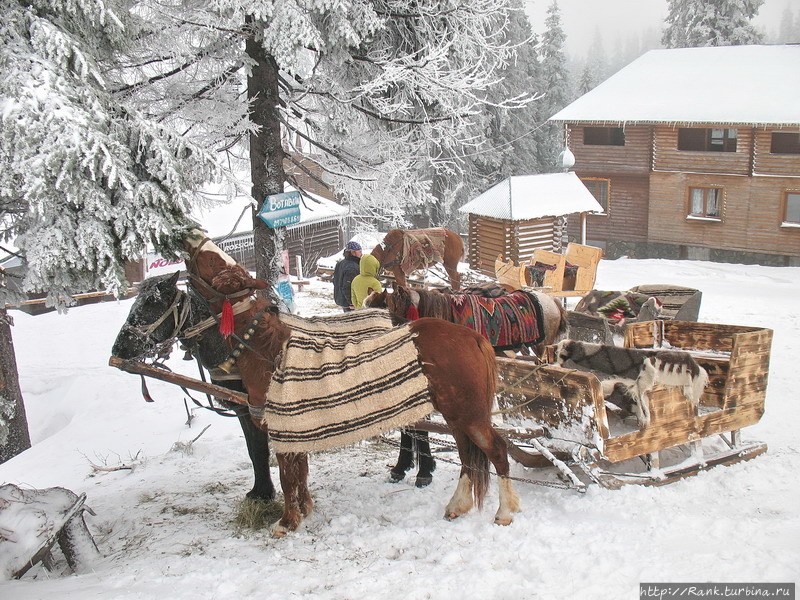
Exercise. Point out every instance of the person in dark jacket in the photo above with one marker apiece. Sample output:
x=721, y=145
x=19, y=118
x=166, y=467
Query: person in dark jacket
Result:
x=344, y=273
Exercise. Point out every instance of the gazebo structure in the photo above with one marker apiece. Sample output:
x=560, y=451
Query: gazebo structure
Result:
x=522, y=214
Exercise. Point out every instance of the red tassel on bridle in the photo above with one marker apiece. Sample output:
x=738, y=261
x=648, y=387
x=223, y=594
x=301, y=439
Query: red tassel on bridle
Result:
x=412, y=314
x=226, y=319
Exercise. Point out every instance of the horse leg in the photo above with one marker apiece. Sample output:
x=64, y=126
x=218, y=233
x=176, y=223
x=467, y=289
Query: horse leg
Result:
x=292, y=473
x=494, y=447
x=406, y=459
x=425, y=459
x=258, y=449
x=461, y=502
x=399, y=276
x=454, y=276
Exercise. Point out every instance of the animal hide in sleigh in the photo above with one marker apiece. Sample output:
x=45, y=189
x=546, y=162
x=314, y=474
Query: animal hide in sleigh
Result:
x=327, y=393
x=507, y=322
x=422, y=248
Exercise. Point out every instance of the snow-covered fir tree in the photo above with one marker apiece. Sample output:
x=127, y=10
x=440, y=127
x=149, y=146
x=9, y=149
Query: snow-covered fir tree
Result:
x=554, y=85
x=697, y=23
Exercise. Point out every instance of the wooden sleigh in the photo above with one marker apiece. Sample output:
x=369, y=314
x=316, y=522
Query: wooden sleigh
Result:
x=552, y=415
x=580, y=429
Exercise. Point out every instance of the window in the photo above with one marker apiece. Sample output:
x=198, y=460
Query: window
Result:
x=785, y=143
x=603, y=136
x=792, y=211
x=705, y=202
x=706, y=139
x=599, y=189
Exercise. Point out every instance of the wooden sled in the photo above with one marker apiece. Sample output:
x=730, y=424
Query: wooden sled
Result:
x=677, y=443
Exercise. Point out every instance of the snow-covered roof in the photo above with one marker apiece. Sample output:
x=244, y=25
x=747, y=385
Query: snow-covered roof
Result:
x=219, y=220
x=534, y=196
x=753, y=85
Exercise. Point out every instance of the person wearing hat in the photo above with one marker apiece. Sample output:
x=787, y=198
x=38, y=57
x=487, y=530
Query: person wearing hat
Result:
x=343, y=275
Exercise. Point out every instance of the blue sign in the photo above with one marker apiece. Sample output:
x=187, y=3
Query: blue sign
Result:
x=280, y=210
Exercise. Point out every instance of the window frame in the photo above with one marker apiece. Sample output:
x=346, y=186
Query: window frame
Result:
x=728, y=144
x=785, y=222
x=794, y=149
x=607, y=207
x=704, y=216
x=614, y=136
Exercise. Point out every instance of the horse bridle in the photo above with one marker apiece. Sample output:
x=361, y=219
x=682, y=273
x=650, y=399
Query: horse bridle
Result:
x=178, y=310
x=386, y=247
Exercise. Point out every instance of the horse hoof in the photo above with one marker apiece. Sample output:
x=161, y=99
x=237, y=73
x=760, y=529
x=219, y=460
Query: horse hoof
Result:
x=422, y=482
x=451, y=516
x=256, y=494
x=503, y=521
x=278, y=531
x=396, y=476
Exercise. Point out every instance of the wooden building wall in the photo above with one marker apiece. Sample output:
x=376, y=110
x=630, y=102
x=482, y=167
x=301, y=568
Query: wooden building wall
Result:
x=667, y=157
x=627, y=215
x=751, y=213
x=632, y=158
x=766, y=163
x=515, y=241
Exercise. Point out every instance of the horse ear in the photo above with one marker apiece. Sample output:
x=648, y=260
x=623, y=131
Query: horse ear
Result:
x=173, y=280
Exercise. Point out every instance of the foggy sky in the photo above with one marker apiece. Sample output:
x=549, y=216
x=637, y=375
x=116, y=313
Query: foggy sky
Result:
x=580, y=19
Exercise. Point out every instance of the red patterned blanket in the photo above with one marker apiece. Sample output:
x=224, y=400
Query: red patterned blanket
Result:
x=507, y=322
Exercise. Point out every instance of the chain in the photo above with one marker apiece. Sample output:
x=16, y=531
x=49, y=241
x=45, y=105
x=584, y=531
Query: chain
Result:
x=448, y=444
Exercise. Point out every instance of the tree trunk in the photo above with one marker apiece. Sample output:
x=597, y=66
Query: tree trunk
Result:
x=14, y=436
x=266, y=156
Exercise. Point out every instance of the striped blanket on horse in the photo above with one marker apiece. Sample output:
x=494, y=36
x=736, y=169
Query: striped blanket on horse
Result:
x=507, y=322
x=327, y=393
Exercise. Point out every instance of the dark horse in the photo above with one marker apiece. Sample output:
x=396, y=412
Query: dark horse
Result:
x=159, y=296
x=405, y=251
x=461, y=384
x=408, y=304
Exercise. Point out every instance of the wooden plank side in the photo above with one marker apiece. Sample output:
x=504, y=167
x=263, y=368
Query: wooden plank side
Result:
x=552, y=396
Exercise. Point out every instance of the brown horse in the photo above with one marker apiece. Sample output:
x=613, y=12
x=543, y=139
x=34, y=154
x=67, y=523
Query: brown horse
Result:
x=461, y=384
x=408, y=303
x=405, y=251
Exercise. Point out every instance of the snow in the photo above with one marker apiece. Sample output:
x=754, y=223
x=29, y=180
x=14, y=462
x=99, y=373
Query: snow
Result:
x=525, y=197
x=165, y=527
x=674, y=86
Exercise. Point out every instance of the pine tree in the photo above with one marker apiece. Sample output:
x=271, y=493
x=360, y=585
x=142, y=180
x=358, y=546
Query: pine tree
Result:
x=697, y=23
x=555, y=89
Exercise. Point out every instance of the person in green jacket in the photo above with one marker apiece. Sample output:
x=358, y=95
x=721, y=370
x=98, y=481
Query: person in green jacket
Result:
x=365, y=282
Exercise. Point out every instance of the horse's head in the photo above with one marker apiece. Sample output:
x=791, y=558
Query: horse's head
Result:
x=215, y=274
x=377, y=300
x=156, y=316
x=389, y=252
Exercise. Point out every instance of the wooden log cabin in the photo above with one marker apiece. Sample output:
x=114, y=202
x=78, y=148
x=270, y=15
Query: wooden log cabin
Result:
x=522, y=214
x=694, y=153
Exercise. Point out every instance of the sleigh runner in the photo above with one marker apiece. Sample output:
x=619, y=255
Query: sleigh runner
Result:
x=580, y=427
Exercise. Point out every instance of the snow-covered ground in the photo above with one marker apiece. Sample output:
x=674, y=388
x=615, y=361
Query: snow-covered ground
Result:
x=165, y=528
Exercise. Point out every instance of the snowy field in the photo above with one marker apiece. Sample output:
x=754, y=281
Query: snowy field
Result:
x=165, y=528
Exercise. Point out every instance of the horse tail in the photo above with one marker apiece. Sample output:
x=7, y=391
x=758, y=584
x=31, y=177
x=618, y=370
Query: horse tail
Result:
x=477, y=461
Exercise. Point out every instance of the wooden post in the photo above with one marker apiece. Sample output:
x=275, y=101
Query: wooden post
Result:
x=298, y=261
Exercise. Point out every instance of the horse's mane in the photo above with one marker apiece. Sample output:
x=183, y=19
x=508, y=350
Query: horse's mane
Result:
x=434, y=304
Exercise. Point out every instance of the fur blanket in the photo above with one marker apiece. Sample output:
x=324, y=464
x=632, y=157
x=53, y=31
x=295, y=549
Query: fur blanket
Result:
x=327, y=393
x=507, y=322
x=422, y=248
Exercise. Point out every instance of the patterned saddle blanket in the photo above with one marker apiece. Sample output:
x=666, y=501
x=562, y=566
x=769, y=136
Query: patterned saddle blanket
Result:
x=507, y=321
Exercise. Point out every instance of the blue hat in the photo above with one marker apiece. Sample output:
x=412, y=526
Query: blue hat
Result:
x=354, y=246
